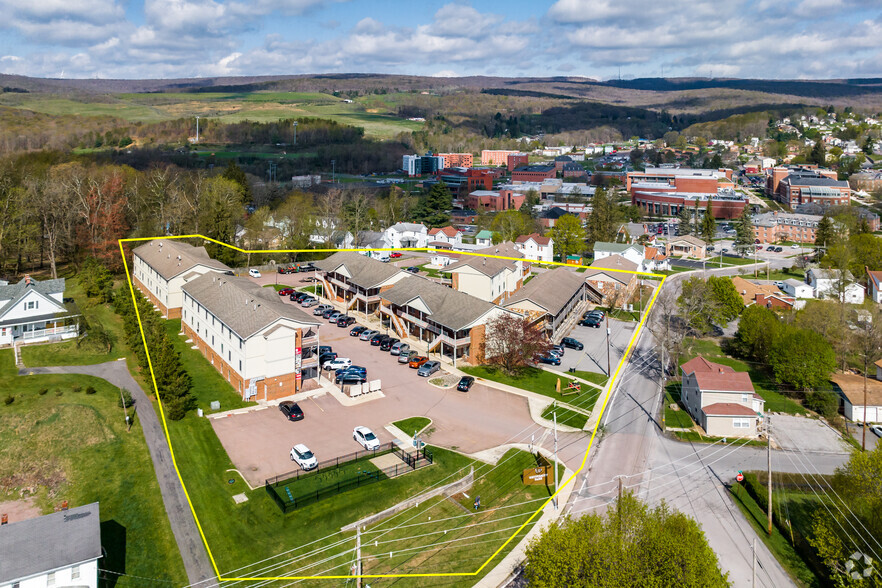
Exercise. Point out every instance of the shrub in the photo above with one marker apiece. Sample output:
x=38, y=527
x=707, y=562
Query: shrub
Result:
x=43, y=391
x=77, y=388
x=823, y=402
x=58, y=392
x=125, y=396
x=91, y=390
x=9, y=400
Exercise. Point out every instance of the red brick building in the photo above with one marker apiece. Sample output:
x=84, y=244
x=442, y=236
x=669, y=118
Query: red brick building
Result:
x=516, y=160
x=533, y=173
x=469, y=178
x=496, y=201
x=457, y=159
x=495, y=156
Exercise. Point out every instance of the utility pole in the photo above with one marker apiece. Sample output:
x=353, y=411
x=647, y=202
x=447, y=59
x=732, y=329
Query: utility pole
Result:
x=608, y=371
x=769, y=453
x=555, y=460
x=333, y=171
x=753, y=580
x=197, y=129
x=295, y=132
x=357, y=557
x=864, y=434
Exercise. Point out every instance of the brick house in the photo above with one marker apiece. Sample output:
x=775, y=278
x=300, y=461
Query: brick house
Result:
x=722, y=401
x=687, y=246
x=767, y=295
x=611, y=281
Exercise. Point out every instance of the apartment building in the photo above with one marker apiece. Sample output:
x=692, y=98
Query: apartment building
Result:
x=772, y=227
x=487, y=277
x=494, y=200
x=356, y=279
x=457, y=159
x=495, y=156
x=533, y=173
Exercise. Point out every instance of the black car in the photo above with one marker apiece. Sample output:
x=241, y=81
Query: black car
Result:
x=550, y=359
x=357, y=330
x=299, y=296
x=345, y=321
x=291, y=410
x=350, y=378
x=325, y=349
x=329, y=312
x=572, y=343
x=465, y=383
x=378, y=339
x=592, y=321
x=387, y=344
x=412, y=269
x=778, y=249
x=327, y=357
x=353, y=369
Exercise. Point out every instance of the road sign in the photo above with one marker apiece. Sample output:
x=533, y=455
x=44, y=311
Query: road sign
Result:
x=535, y=476
x=739, y=477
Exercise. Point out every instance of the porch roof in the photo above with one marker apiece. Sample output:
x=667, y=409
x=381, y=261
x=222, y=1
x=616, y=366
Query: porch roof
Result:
x=71, y=312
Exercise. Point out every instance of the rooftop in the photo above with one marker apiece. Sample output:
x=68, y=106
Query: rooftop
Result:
x=539, y=239
x=445, y=306
x=550, y=290
x=172, y=257
x=487, y=260
x=360, y=269
x=852, y=387
x=606, y=247
x=616, y=262
x=717, y=377
x=728, y=409
x=535, y=168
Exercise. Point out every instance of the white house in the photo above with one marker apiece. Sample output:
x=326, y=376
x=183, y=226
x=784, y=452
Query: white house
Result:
x=484, y=238
x=535, y=247
x=633, y=252
x=722, y=401
x=161, y=267
x=797, y=289
x=655, y=260
x=446, y=235
x=874, y=283
x=486, y=276
x=406, y=235
x=58, y=549
x=851, y=389
x=32, y=312
x=827, y=283
x=262, y=346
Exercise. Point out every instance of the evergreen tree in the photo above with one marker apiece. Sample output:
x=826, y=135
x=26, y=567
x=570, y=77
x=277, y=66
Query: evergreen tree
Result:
x=744, y=233
x=234, y=173
x=684, y=218
x=604, y=220
x=708, y=224
x=433, y=209
x=825, y=235
x=818, y=154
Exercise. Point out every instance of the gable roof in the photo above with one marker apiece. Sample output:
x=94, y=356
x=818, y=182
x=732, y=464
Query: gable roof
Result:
x=852, y=387
x=402, y=227
x=448, y=231
x=689, y=239
x=606, y=247
x=653, y=253
x=550, y=290
x=172, y=257
x=539, y=239
x=53, y=541
x=748, y=290
x=716, y=377
x=364, y=271
x=875, y=278
x=446, y=306
x=489, y=266
x=614, y=262
x=728, y=409
x=484, y=234
x=245, y=307
x=13, y=293
x=554, y=213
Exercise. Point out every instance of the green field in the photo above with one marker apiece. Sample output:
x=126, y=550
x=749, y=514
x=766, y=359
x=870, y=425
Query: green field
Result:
x=565, y=416
x=71, y=445
x=412, y=424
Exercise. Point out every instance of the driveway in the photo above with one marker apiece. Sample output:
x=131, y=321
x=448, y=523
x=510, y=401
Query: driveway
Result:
x=593, y=357
x=804, y=434
x=259, y=442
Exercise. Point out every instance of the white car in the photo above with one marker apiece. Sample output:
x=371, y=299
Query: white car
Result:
x=336, y=364
x=366, y=438
x=794, y=246
x=254, y=273
x=301, y=454
x=877, y=430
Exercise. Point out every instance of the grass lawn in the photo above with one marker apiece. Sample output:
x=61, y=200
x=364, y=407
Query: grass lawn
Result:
x=208, y=384
x=310, y=482
x=696, y=437
x=675, y=418
x=451, y=535
x=780, y=275
x=539, y=381
x=74, y=446
x=413, y=424
x=599, y=379
x=777, y=543
x=66, y=353
x=433, y=273
x=775, y=401
x=565, y=416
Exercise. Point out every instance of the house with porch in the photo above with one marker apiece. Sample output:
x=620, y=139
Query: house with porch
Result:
x=445, y=236
x=535, y=247
x=34, y=311
x=687, y=246
x=611, y=281
x=484, y=238
x=448, y=321
x=833, y=283
x=484, y=275
x=406, y=235
x=722, y=401
x=266, y=349
x=633, y=252
x=162, y=266
x=356, y=279
x=549, y=298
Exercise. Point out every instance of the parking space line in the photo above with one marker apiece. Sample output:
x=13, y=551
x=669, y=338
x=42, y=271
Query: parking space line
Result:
x=316, y=403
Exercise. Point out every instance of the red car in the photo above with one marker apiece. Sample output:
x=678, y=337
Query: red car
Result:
x=395, y=254
x=286, y=291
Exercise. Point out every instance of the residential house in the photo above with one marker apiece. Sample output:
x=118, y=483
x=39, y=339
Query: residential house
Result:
x=264, y=347
x=633, y=252
x=767, y=295
x=357, y=280
x=450, y=322
x=58, y=549
x=36, y=312
x=549, y=298
x=797, y=289
x=548, y=218
x=874, y=285
x=611, y=281
x=445, y=236
x=411, y=235
x=654, y=260
x=535, y=247
x=833, y=283
x=851, y=389
x=161, y=267
x=722, y=401
x=687, y=246
x=484, y=238
x=486, y=276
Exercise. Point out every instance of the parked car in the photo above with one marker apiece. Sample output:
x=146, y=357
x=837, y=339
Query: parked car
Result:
x=301, y=455
x=325, y=349
x=412, y=269
x=417, y=361
x=349, y=378
x=877, y=430
x=559, y=349
x=326, y=357
x=407, y=357
x=378, y=338
x=794, y=246
x=779, y=249
x=366, y=438
x=300, y=296
x=253, y=273
x=308, y=302
x=329, y=312
x=353, y=369
x=429, y=368
x=335, y=364
x=286, y=291
x=572, y=343
x=345, y=321
x=388, y=343
x=591, y=321
x=357, y=330
x=332, y=318
x=465, y=383
x=395, y=254
x=770, y=248
x=367, y=335
x=779, y=284
x=399, y=348
x=291, y=410
x=549, y=359
x=284, y=270
x=320, y=309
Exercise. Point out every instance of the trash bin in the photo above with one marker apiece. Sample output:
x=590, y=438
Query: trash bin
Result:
x=215, y=405
x=199, y=412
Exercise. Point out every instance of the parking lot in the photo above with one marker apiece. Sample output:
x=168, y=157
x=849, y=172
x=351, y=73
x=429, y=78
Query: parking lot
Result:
x=259, y=442
x=593, y=357
x=803, y=434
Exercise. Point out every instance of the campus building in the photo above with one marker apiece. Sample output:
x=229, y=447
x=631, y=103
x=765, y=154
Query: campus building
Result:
x=533, y=173
x=457, y=159
x=356, y=279
x=495, y=156
x=666, y=191
x=772, y=227
x=494, y=200
x=417, y=165
x=798, y=185
x=266, y=349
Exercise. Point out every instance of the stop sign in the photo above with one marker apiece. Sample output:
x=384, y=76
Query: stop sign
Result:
x=740, y=477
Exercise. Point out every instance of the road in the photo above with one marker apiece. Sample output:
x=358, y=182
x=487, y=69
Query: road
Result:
x=689, y=477
x=196, y=562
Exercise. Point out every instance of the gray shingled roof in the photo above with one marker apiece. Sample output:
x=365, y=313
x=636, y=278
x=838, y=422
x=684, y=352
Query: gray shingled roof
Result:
x=489, y=266
x=615, y=247
x=12, y=293
x=813, y=180
x=551, y=290
x=450, y=308
x=242, y=305
x=365, y=271
x=57, y=540
x=416, y=227
x=162, y=255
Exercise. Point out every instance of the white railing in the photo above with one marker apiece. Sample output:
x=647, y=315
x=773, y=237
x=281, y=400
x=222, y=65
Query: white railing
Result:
x=48, y=332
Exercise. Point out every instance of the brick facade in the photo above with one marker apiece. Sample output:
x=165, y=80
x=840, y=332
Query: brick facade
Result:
x=174, y=313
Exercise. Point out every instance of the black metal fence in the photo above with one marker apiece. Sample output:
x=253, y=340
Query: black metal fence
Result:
x=283, y=489
x=331, y=464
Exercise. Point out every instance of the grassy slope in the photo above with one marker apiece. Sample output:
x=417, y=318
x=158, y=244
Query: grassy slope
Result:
x=539, y=381
x=77, y=445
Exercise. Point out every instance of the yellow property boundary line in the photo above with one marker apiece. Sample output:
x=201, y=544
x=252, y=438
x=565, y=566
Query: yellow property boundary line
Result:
x=612, y=383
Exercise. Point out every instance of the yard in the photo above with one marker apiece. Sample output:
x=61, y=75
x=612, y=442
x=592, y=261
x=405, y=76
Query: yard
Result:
x=679, y=419
x=565, y=416
x=70, y=443
x=413, y=424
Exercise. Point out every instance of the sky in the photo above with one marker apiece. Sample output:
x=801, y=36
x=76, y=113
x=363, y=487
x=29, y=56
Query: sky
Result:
x=601, y=39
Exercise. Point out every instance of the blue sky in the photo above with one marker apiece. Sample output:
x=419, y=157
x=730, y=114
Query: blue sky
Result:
x=592, y=38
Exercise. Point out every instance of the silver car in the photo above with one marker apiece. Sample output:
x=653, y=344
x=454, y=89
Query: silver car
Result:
x=367, y=335
x=429, y=368
x=399, y=348
x=406, y=357
x=321, y=308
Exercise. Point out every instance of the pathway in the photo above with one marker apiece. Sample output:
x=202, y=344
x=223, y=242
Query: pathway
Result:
x=196, y=562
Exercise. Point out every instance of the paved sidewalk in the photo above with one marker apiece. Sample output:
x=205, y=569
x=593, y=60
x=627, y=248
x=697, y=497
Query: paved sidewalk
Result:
x=196, y=562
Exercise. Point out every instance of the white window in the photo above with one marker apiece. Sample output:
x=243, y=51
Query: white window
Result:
x=745, y=398
x=50, y=579
x=741, y=423
x=75, y=573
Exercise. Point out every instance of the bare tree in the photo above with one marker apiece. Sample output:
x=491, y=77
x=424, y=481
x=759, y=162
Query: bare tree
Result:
x=513, y=342
x=55, y=207
x=328, y=209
